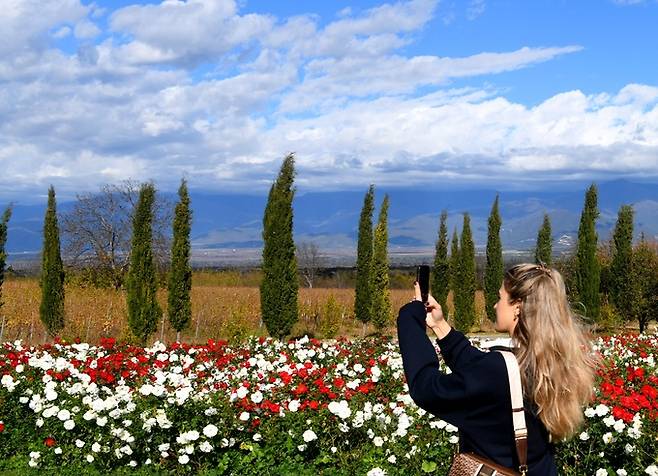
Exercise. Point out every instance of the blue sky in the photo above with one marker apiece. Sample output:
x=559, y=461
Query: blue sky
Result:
x=400, y=94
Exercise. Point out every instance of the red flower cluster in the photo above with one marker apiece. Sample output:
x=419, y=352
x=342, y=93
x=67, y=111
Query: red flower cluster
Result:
x=629, y=389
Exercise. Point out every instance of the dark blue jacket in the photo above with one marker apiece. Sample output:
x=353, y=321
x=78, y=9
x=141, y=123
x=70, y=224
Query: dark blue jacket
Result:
x=475, y=397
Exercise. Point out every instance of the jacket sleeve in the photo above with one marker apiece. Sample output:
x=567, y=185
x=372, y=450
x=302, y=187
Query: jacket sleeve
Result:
x=449, y=396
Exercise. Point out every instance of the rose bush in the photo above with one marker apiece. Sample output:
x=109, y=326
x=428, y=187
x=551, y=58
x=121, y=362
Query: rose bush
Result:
x=272, y=407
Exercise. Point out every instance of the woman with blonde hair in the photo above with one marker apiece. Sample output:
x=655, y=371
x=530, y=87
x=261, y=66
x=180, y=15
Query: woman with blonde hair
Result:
x=553, y=354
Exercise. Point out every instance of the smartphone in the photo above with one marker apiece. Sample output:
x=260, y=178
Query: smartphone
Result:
x=423, y=278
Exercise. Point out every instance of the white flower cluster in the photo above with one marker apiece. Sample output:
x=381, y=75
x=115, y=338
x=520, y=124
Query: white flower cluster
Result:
x=340, y=409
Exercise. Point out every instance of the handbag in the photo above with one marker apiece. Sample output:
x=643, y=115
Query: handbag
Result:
x=470, y=464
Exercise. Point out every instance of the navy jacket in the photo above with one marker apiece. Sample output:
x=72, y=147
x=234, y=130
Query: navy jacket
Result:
x=475, y=397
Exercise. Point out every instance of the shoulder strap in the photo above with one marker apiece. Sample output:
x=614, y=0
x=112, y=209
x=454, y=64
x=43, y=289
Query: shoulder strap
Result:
x=518, y=414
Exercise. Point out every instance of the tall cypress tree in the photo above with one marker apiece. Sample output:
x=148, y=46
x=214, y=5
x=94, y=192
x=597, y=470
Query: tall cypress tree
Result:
x=588, y=272
x=280, y=285
x=363, y=291
x=144, y=312
x=454, y=267
x=544, y=249
x=441, y=270
x=179, y=305
x=3, y=261
x=381, y=295
x=493, y=276
x=465, y=292
x=51, y=310
x=644, y=294
x=621, y=272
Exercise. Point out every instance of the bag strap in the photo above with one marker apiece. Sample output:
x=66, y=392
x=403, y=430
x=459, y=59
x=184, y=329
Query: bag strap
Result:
x=518, y=413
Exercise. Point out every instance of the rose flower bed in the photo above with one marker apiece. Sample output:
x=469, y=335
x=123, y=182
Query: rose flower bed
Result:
x=271, y=407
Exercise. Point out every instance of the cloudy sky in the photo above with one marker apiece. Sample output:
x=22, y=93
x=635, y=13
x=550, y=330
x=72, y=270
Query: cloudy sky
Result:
x=410, y=93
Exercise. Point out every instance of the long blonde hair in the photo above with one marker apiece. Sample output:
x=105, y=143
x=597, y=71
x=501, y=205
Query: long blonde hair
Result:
x=556, y=363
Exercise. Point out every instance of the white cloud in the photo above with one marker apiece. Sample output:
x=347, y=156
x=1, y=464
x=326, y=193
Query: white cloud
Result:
x=185, y=32
x=85, y=29
x=63, y=32
x=26, y=22
x=328, y=81
x=344, y=96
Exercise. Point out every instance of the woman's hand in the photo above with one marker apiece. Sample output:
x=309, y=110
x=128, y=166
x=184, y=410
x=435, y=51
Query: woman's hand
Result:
x=434, y=318
x=434, y=312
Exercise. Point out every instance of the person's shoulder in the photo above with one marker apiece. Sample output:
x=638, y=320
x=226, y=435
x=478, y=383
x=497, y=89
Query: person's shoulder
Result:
x=492, y=363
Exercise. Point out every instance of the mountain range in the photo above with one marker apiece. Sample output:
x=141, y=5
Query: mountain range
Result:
x=228, y=226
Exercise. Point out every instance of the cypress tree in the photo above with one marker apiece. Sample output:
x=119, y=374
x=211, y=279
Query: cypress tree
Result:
x=454, y=268
x=621, y=272
x=51, y=310
x=3, y=260
x=280, y=285
x=465, y=292
x=493, y=276
x=144, y=312
x=363, y=290
x=381, y=295
x=441, y=270
x=179, y=305
x=644, y=294
x=544, y=250
x=588, y=272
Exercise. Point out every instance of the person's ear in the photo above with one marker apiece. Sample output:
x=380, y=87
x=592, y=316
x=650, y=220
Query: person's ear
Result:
x=517, y=310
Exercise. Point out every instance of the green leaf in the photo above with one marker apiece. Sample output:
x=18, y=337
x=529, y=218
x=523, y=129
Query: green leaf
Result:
x=428, y=466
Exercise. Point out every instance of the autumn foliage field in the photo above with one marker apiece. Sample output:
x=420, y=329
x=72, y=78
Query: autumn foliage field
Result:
x=228, y=310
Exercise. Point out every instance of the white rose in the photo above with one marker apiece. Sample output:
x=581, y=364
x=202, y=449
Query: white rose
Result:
x=210, y=430
x=309, y=435
x=192, y=435
x=376, y=472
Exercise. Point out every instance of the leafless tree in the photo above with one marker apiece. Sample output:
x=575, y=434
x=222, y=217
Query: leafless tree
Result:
x=309, y=261
x=97, y=231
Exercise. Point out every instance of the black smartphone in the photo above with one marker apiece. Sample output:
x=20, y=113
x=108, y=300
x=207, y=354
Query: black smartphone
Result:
x=423, y=278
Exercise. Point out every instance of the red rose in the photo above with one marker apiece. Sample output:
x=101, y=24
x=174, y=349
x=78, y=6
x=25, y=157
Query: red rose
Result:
x=50, y=442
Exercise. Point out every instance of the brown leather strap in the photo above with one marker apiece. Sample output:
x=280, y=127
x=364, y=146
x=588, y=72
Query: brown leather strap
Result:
x=522, y=452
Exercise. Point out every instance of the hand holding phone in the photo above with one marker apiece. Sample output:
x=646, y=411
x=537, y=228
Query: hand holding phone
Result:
x=423, y=278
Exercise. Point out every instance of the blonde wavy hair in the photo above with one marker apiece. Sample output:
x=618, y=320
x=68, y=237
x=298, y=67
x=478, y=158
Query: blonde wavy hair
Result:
x=556, y=363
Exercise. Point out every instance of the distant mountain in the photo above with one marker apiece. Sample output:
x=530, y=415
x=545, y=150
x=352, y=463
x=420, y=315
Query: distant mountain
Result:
x=227, y=221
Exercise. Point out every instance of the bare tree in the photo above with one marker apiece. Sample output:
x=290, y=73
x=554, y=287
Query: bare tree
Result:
x=309, y=261
x=97, y=231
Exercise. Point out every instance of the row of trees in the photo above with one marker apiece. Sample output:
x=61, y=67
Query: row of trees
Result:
x=144, y=312
x=372, y=301
x=623, y=276
x=620, y=274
